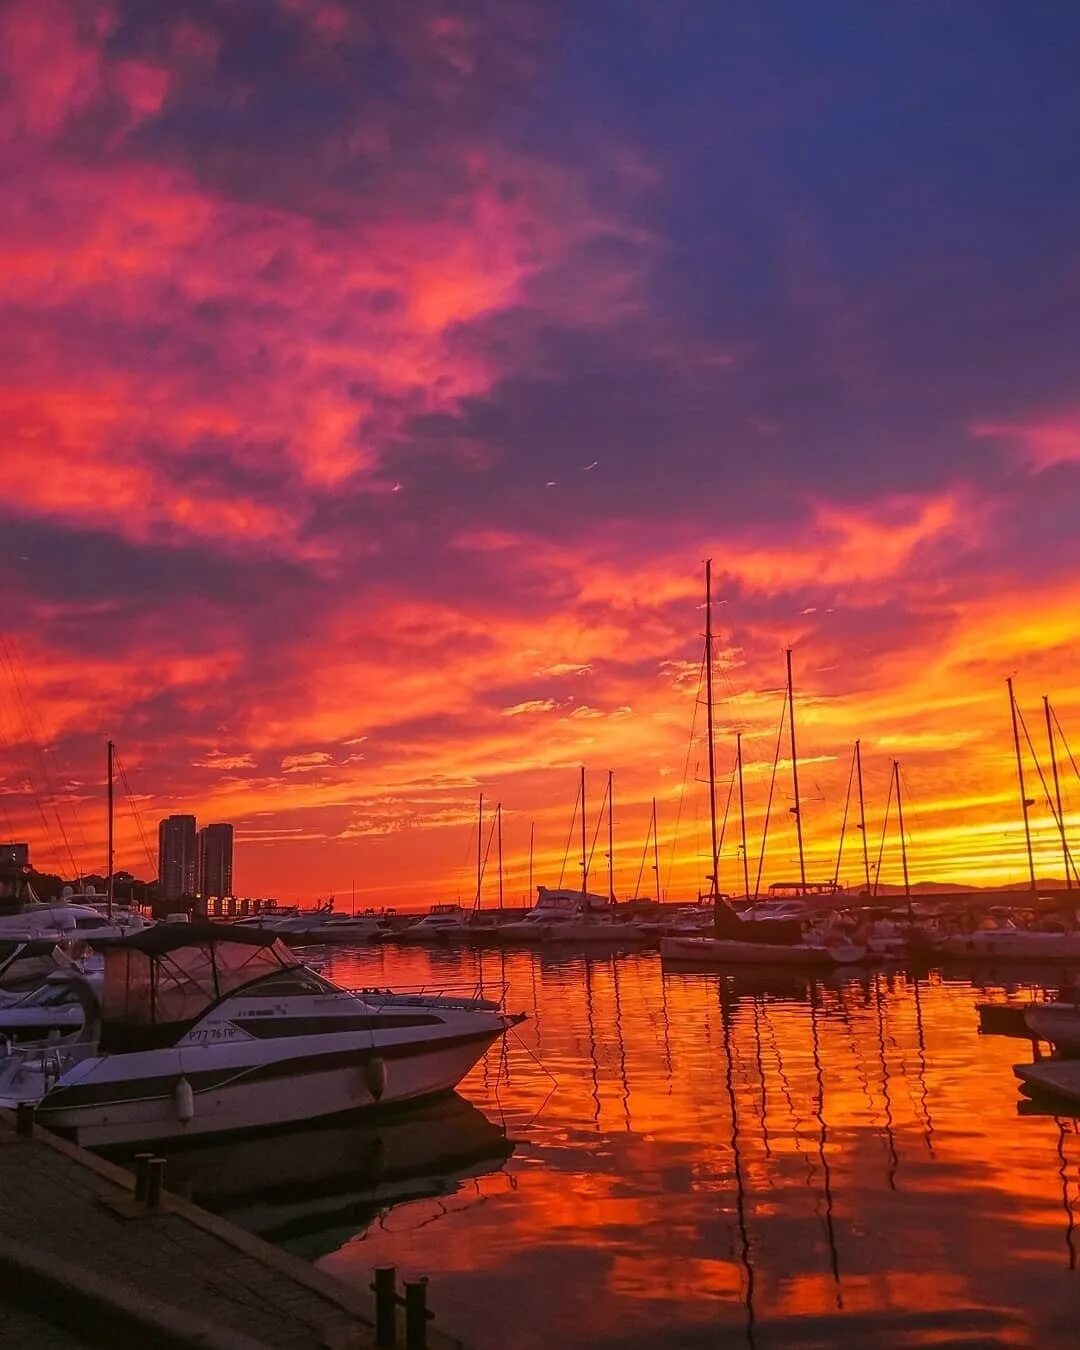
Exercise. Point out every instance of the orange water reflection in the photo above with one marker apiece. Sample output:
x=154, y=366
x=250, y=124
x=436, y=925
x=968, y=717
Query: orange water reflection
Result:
x=807, y=1163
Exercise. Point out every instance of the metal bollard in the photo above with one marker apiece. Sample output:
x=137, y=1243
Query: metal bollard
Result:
x=24, y=1120
x=142, y=1173
x=155, y=1177
x=416, y=1314
x=385, y=1291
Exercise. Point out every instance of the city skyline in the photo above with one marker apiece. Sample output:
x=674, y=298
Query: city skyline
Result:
x=375, y=386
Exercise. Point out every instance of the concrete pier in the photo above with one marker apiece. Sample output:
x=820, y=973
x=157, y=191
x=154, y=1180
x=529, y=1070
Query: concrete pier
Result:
x=83, y=1262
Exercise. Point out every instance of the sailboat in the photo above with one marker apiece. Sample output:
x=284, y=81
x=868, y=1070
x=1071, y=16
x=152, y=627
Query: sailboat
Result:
x=738, y=941
x=77, y=915
x=566, y=915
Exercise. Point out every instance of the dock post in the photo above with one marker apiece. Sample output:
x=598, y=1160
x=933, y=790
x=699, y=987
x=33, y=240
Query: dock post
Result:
x=385, y=1291
x=416, y=1314
x=142, y=1174
x=24, y=1120
x=155, y=1176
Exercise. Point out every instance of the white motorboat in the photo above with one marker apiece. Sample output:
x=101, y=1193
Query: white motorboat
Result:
x=570, y=916
x=778, y=911
x=210, y=1029
x=56, y=1008
x=25, y=962
x=686, y=921
x=1008, y=943
x=322, y=925
x=67, y=919
x=442, y=923
x=833, y=951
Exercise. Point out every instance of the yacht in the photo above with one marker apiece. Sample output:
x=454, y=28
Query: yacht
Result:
x=442, y=923
x=208, y=1029
x=811, y=951
x=571, y=916
x=686, y=921
x=70, y=917
x=1007, y=942
x=321, y=925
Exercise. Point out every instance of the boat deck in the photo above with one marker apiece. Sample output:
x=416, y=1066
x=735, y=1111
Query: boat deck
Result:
x=79, y=1252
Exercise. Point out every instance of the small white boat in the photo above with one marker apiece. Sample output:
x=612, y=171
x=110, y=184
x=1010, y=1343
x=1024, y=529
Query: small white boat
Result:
x=731, y=952
x=442, y=923
x=210, y=1029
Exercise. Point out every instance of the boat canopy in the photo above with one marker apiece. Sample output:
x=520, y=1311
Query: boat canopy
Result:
x=794, y=889
x=168, y=976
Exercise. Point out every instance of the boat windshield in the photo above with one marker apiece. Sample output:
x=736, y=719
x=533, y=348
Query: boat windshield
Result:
x=155, y=983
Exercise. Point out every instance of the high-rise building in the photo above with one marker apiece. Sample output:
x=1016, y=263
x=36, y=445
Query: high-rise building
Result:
x=215, y=860
x=177, y=857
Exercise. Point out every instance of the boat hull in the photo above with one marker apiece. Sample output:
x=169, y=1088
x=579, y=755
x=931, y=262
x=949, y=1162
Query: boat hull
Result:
x=1060, y=1025
x=1012, y=946
x=100, y=1108
x=1058, y=1077
x=725, y=952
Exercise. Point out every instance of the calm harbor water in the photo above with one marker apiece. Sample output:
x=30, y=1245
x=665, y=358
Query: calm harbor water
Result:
x=680, y=1160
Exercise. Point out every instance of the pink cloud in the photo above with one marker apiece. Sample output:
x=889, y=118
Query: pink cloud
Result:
x=1041, y=444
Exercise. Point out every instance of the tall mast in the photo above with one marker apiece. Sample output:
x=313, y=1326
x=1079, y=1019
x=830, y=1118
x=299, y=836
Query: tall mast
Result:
x=1025, y=801
x=479, y=851
x=742, y=816
x=611, y=836
x=655, y=851
x=584, y=846
x=900, y=821
x=498, y=822
x=862, y=814
x=796, y=810
x=109, y=779
x=1057, y=792
x=714, y=885
x=532, y=832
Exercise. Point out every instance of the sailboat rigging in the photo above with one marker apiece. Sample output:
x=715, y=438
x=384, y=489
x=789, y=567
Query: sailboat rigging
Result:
x=796, y=810
x=714, y=884
x=1025, y=801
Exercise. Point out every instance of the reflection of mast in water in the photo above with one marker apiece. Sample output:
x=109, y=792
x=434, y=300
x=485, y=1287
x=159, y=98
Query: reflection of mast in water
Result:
x=621, y=1043
x=1066, y=1198
x=736, y=1154
x=785, y=1088
x=761, y=1077
x=826, y=1175
x=504, y=1040
x=590, y=1021
x=666, y=1021
x=924, y=1096
x=890, y=1133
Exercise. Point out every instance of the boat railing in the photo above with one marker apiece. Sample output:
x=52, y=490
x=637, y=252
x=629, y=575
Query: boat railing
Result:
x=453, y=995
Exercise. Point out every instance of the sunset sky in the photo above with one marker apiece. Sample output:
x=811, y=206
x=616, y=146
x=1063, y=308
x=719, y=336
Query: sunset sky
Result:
x=376, y=378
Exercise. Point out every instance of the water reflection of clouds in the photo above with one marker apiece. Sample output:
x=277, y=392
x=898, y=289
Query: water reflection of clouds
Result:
x=793, y=1163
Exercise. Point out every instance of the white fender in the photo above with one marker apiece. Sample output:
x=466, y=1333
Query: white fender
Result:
x=184, y=1100
x=375, y=1076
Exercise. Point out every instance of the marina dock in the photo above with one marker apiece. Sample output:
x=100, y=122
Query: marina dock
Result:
x=84, y=1262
